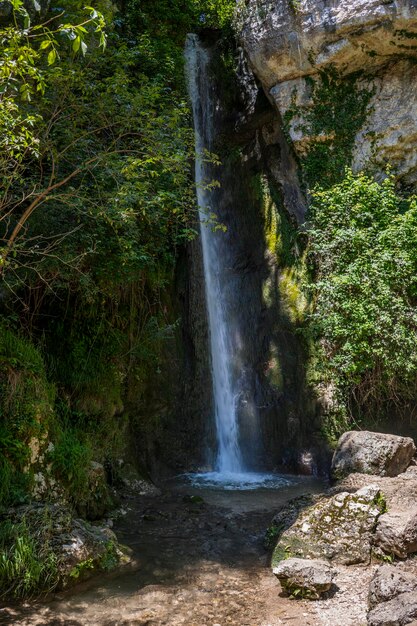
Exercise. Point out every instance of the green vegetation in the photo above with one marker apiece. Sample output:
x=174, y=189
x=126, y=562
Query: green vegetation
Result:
x=271, y=536
x=217, y=13
x=26, y=412
x=337, y=111
x=81, y=568
x=363, y=244
x=28, y=565
x=96, y=200
x=32, y=561
x=71, y=460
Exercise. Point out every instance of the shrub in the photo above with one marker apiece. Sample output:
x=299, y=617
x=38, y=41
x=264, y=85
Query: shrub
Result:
x=363, y=241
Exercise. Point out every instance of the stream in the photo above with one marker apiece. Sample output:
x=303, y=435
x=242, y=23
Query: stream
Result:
x=199, y=560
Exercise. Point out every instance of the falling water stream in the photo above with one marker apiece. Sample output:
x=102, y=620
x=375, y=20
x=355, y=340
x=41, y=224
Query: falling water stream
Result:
x=233, y=470
x=229, y=458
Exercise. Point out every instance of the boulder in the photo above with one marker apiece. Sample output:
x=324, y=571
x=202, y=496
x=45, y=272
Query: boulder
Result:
x=288, y=513
x=372, y=453
x=304, y=578
x=396, y=532
x=338, y=528
x=388, y=582
x=399, y=611
x=98, y=500
x=80, y=549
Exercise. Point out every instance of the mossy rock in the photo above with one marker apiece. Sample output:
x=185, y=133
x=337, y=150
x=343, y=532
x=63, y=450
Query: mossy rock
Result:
x=339, y=528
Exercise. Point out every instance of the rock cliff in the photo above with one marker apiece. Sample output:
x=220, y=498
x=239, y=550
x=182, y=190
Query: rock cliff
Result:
x=342, y=74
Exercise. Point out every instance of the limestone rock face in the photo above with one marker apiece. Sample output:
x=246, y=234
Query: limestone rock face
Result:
x=397, y=612
x=389, y=582
x=291, y=43
x=372, y=453
x=389, y=134
x=339, y=528
x=309, y=578
x=285, y=40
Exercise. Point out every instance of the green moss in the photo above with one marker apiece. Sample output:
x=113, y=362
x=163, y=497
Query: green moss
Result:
x=71, y=459
x=79, y=570
x=292, y=294
x=295, y=5
x=274, y=371
x=293, y=547
x=26, y=413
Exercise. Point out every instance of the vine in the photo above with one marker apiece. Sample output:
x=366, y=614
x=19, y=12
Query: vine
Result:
x=330, y=123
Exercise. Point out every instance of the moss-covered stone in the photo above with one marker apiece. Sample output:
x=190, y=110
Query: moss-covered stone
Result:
x=338, y=528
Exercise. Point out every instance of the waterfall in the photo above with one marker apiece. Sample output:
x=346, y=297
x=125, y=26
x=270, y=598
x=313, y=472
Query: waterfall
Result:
x=223, y=334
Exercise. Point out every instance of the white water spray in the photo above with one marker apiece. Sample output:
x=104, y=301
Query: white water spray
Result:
x=229, y=458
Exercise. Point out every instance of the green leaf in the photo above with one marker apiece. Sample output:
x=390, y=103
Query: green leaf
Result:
x=76, y=44
x=52, y=57
x=45, y=44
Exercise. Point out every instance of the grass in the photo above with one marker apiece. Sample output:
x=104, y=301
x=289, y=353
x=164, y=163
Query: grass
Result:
x=28, y=565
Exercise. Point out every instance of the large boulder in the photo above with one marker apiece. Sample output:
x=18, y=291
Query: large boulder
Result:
x=372, y=453
x=304, y=578
x=338, y=528
x=396, y=533
x=388, y=582
x=399, y=611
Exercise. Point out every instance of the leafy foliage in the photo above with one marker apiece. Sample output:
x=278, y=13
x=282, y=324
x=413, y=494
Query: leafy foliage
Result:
x=217, y=13
x=97, y=197
x=26, y=411
x=364, y=247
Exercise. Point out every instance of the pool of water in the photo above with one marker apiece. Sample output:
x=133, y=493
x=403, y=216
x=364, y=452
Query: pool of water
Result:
x=246, y=491
x=242, y=481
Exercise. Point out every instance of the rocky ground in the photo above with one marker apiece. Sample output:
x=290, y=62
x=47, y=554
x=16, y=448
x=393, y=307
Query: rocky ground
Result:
x=198, y=558
x=196, y=564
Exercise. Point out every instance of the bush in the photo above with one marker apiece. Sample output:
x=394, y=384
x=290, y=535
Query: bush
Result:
x=364, y=248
